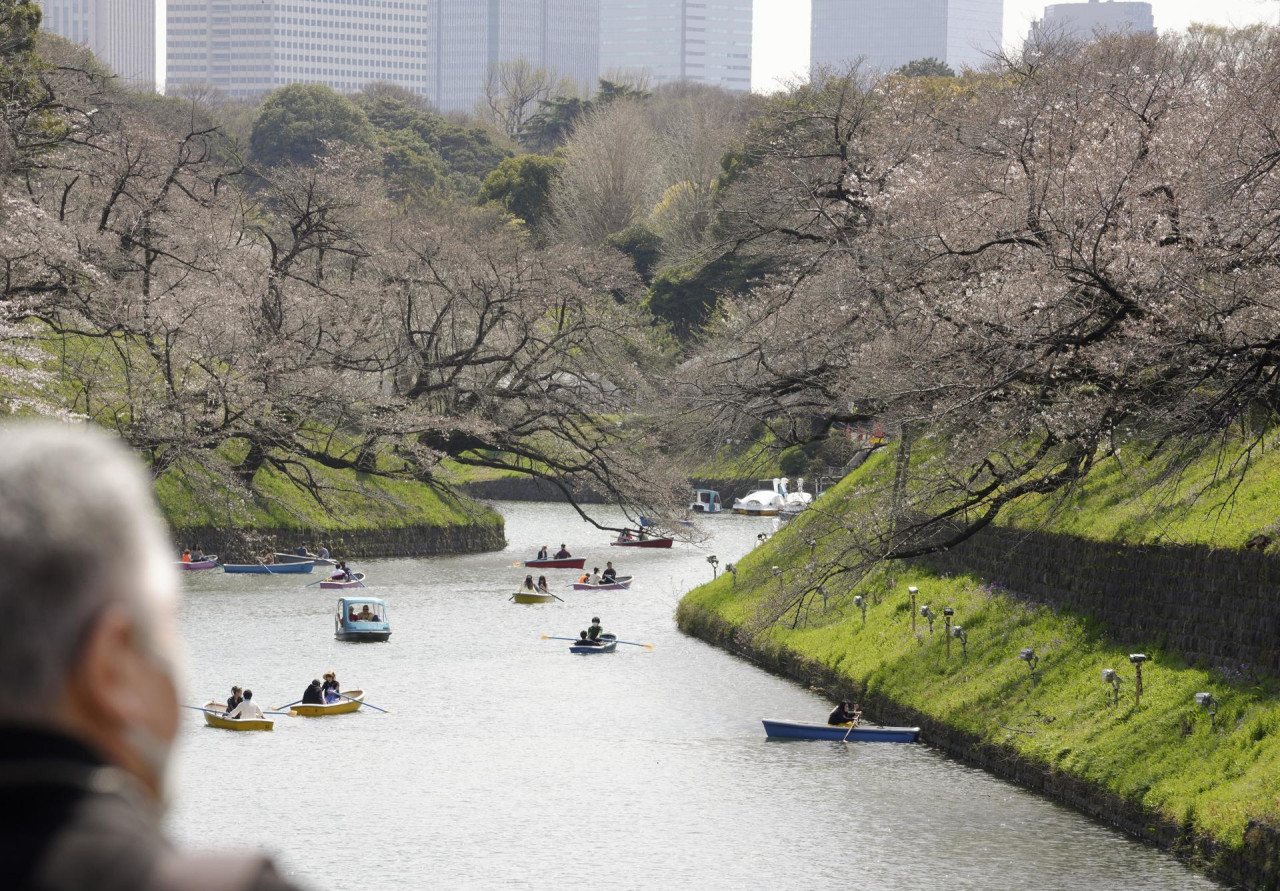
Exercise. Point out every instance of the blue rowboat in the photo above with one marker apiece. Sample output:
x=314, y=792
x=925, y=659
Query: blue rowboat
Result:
x=610, y=644
x=806, y=730
x=270, y=568
x=361, y=619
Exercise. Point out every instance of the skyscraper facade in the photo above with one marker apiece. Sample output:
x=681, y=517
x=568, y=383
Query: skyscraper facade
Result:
x=707, y=41
x=122, y=33
x=439, y=49
x=886, y=34
x=1079, y=21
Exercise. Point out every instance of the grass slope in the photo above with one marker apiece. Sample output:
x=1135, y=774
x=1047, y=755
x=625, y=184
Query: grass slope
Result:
x=1163, y=755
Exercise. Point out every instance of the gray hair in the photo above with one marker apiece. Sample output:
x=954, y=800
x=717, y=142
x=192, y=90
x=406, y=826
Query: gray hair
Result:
x=79, y=532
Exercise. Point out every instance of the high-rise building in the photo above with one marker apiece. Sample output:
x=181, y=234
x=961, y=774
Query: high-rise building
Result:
x=1080, y=21
x=122, y=33
x=439, y=49
x=885, y=34
x=707, y=41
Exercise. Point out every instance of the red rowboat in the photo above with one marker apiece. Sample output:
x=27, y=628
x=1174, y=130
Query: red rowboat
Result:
x=566, y=563
x=647, y=543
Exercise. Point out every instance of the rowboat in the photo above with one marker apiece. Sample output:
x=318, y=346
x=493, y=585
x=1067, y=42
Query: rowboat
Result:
x=807, y=730
x=363, y=619
x=196, y=565
x=214, y=717
x=532, y=597
x=566, y=563
x=644, y=543
x=298, y=558
x=270, y=568
x=610, y=644
x=342, y=707
x=621, y=583
x=357, y=581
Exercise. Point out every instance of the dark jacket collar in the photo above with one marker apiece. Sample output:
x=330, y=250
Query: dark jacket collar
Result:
x=21, y=742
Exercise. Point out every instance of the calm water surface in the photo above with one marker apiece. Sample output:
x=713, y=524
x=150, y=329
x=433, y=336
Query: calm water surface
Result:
x=507, y=762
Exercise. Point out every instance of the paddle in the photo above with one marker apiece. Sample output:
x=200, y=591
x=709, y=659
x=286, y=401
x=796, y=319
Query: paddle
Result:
x=576, y=639
x=852, y=725
x=287, y=704
x=362, y=702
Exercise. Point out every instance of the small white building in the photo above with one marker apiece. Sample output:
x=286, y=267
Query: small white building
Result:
x=1081, y=21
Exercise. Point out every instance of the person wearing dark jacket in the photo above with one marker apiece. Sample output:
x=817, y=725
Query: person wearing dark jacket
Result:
x=843, y=714
x=314, y=694
x=234, y=699
x=89, y=707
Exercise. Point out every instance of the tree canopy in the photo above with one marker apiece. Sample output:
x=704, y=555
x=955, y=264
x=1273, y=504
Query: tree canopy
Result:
x=297, y=122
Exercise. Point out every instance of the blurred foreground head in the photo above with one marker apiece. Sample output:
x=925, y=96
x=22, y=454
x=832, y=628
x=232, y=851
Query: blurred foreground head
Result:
x=87, y=595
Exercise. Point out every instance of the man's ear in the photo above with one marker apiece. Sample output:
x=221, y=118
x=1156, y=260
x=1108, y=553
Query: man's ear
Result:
x=106, y=685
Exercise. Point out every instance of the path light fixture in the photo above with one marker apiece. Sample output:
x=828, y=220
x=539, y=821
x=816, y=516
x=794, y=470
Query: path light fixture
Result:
x=926, y=613
x=1137, y=659
x=1109, y=676
x=947, y=612
x=1028, y=655
x=913, y=591
x=813, y=546
x=732, y=569
x=715, y=564
x=861, y=603
x=963, y=635
x=1210, y=705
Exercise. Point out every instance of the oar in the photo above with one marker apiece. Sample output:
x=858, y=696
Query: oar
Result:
x=634, y=644
x=362, y=702
x=576, y=639
x=318, y=581
x=286, y=705
x=852, y=725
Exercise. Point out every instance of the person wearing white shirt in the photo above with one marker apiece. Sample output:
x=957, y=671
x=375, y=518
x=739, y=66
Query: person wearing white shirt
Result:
x=247, y=708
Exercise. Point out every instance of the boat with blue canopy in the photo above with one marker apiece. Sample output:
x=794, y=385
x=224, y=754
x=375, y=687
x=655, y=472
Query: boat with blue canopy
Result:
x=361, y=619
x=868, y=733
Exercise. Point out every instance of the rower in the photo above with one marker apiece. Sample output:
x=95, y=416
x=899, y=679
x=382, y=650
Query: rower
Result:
x=542, y=554
x=331, y=689
x=314, y=694
x=300, y=550
x=610, y=574
x=563, y=553
x=542, y=585
x=247, y=709
x=594, y=632
x=324, y=553
x=842, y=715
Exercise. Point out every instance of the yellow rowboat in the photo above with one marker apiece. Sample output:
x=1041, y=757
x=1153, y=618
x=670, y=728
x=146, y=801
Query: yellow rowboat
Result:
x=532, y=597
x=223, y=722
x=343, y=707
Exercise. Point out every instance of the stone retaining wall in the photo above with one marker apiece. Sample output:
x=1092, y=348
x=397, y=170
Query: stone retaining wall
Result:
x=1219, y=607
x=240, y=545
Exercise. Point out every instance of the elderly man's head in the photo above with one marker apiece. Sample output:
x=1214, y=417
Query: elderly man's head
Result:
x=87, y=633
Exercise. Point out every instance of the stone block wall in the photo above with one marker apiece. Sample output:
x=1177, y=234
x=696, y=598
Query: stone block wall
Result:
x=238, y=545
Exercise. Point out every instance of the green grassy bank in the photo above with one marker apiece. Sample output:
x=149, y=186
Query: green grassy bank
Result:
x=1213, y=789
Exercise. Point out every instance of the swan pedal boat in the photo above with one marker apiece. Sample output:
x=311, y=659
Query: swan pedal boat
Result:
x=341, y=707
x=357, y=578
x=553, y=563
x=610, y=644
x=301, y=568
x=533, y=597
x=866, y=733
x=222, y=722
x=647, y=543
x=209, y=562
x=620, y=583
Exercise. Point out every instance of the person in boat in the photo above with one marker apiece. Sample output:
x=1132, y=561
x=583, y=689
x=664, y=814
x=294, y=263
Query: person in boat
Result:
x=563, y=553
x=542, y=585
x=236, y=697
x=300, y=550
x=584, y=641
x=595, y=575
x=267, y=558
x=624, y=535
x=366, y=614
x=324, y=553
x=331, y=688
x=247, y=709
x=586, y=579
x=594, y=632
x=341, y=573
x=314, y=694
x=542, y=553
x=186, y=556
x=352, y=615
x=643, y=535
x=844, y=715
x=528, y=584
x=610, y=574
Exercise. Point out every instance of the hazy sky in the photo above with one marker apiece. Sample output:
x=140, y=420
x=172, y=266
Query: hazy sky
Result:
x=781, y=29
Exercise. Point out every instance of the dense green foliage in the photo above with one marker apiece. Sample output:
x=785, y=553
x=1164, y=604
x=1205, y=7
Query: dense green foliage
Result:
x=522, y=186
x=685, y=296
x=296, y=122
x=928, y=67
x=1163, y=755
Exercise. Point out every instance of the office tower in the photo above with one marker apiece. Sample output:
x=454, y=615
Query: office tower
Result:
x=885, y=34
x=439, y=49
x=707, y=41
x=1080, y=21
x=122, y=33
